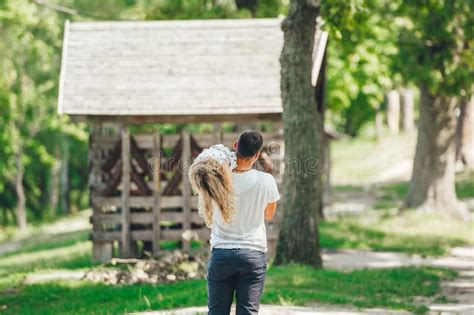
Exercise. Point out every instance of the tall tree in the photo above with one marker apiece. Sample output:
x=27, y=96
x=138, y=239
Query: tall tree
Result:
x=29, y=45
x=299, y=238
x=436, y=51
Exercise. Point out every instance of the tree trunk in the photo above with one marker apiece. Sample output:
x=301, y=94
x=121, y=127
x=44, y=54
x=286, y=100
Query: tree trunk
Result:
x=378, y=125
x=325, y=165
x=65, y=201
x=20, y=191
x=465, y=133
x=433, y=183
x=54, y=187
x=299, y=238
x=393, y=111
x=407, y=121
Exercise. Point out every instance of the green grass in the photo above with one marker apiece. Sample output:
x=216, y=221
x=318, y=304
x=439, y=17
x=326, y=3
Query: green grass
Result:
x=399, y=234
x=391, y=288
x=465, y=185
x=356, y=160
x=412, y=232
x=290, y=285
x=51, y=247
x=81, y=297
x=392, y=194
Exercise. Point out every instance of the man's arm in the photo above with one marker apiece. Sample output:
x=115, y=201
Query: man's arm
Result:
x=270, y=210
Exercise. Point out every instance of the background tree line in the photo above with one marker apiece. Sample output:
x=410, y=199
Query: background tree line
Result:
x=43, y=156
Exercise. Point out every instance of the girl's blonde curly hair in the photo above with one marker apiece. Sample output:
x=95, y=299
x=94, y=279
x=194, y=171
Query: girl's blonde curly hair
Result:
x=212, y=181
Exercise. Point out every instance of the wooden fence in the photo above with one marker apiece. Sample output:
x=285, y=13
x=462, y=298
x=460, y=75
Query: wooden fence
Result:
x=139, y=196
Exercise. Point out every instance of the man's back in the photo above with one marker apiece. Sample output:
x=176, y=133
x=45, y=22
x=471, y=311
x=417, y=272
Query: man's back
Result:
x=253, y=191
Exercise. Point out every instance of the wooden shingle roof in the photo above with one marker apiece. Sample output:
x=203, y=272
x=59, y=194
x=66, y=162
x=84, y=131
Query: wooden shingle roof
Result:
x=199, y=70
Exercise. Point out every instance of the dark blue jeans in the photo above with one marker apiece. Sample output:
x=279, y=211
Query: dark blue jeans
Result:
x=235, y=271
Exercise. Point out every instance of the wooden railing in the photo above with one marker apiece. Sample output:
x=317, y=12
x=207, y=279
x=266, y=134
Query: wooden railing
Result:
x=139, y=195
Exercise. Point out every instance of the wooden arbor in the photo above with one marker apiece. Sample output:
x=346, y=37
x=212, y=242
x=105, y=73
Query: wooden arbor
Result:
x=162, y=72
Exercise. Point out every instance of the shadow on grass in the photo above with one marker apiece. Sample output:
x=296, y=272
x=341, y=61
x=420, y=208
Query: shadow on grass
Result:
x=293, y=284
x=47, y=242
x=465, y=185
x=73, y=257
x=81, y=297
x=392, y=288
x=337, y=235
x=392, y=195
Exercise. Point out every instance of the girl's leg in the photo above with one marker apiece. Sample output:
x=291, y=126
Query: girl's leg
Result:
x=250, y=281
x=220, y=282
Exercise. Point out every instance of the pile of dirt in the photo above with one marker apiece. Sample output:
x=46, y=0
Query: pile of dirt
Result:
x=166, y=268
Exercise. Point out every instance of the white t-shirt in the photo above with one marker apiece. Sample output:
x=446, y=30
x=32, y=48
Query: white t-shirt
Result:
x=253, y=191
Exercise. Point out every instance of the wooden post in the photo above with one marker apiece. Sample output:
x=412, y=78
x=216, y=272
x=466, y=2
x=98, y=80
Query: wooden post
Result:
x=125, y=217
x=217, y=136
x=186, y=190
x=156, y=191
x=101, y=251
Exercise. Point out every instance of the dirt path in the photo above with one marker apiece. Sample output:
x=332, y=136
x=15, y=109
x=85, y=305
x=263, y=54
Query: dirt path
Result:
x=459, y=291
x=282, y=310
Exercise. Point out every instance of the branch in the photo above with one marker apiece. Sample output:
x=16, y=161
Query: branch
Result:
x=56, y=7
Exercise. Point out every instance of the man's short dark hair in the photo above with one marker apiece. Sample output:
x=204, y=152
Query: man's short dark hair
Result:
x=249, y=143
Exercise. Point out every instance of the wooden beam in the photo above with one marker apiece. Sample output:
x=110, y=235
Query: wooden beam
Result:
x=95, y=173
x=137, y=154
x=142, y=235
x=145, y=141
x=103, y=236
x=173, y=160
x=156, y=191
x=173, y=184
x=145, y=218
x=138, y=179
x=186, y=189
x=114, y=180
x=113, y=157
x=143, y=119
x=116, y=218
x=125, y=222
x=101, y=251
x=196, y=149
x=203, y=234
x=147, y=235
x=143, y=202
x=217, y=133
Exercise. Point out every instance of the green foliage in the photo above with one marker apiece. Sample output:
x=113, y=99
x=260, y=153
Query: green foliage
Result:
x=30, y=59
x=373, y=46
x=193, y=9
x=437, y=44
x=269, y=8
x=361, y=45
x=30, y=127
